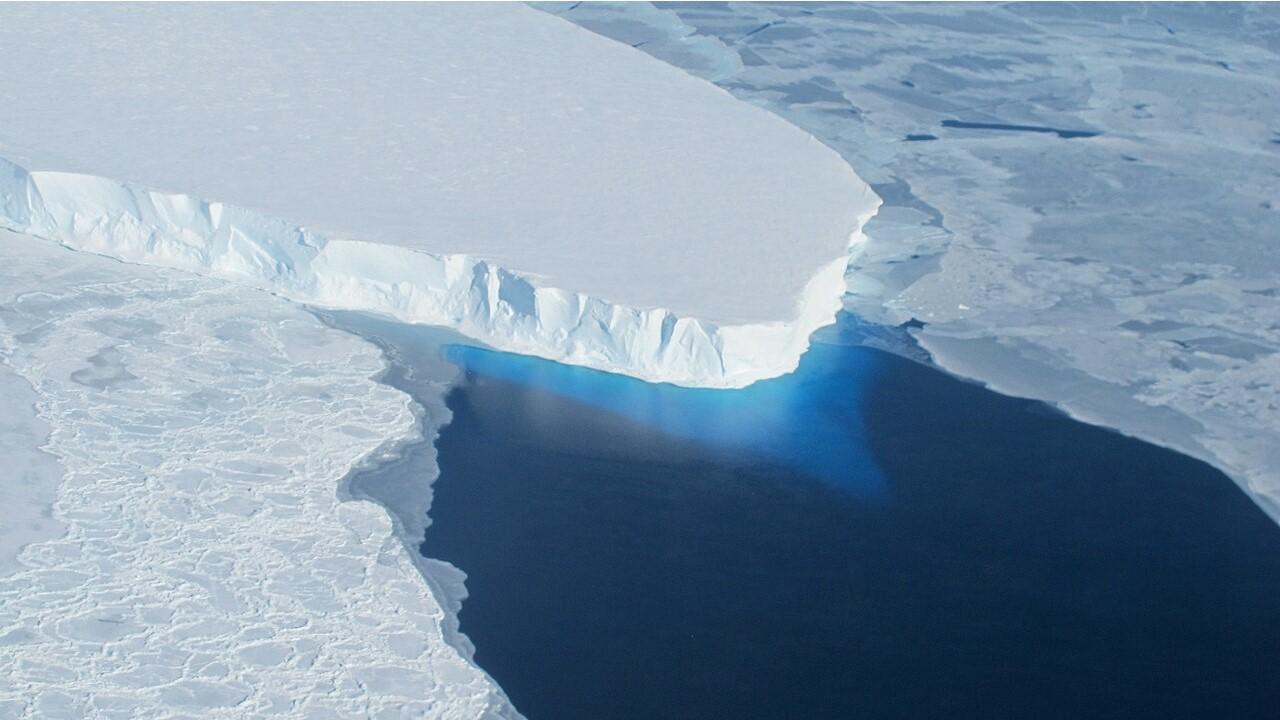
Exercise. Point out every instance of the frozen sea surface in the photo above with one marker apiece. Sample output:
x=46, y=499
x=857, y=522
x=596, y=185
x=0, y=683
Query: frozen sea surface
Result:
x=209, y=566
x=30, y=476
x=1081, y=201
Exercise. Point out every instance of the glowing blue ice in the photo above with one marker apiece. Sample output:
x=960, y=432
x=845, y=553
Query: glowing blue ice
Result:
x=810, y=421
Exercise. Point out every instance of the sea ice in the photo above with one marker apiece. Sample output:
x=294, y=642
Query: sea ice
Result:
x=491, y=168
x=208, y=567
x=30, y=477
x=1081, y=201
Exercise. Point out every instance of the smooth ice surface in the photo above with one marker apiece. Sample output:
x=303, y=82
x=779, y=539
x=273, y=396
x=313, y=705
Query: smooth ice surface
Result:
x=497, y=133
x=1081, y=201
x=29, y=476
x=209, y=567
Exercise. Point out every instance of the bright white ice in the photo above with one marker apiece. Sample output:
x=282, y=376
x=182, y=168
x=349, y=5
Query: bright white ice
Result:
x=655, y=225
x=208, y=568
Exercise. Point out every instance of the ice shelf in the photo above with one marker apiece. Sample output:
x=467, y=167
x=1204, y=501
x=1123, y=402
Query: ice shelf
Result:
x=491, y=168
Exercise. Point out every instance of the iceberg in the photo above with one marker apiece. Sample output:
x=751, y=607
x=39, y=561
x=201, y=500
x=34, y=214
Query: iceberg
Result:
x=490, y=168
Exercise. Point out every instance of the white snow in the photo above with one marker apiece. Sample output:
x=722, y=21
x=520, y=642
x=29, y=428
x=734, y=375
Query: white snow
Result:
x=488, y=167
x=209, y=568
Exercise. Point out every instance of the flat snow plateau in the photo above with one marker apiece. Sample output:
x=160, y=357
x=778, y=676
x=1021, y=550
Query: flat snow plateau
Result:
x=489, y=168
x=208, y=568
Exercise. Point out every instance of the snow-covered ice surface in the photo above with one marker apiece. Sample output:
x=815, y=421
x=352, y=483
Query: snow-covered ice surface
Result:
x=30, y=476
x=491, y=168
x=1082, y=202
x=209, y=567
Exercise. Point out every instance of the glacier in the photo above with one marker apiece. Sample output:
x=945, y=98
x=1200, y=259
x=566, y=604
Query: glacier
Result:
x=543, y=190
x=505, y=309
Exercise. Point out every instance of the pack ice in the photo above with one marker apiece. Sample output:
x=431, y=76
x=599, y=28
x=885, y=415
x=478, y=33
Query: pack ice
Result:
x=205, y=565
x=489, y=168
x=1081, y=202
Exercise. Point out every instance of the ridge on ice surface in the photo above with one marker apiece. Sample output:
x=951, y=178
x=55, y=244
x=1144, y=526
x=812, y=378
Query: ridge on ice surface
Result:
x=644, y=197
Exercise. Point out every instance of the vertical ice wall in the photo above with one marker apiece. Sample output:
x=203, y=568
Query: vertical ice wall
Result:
x=208, y=567
x=492, y=168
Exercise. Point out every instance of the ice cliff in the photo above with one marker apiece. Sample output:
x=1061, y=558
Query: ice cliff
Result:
x=500, y=307
x=490, y=168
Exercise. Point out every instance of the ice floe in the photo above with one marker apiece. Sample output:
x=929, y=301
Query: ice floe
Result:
x=208, y=566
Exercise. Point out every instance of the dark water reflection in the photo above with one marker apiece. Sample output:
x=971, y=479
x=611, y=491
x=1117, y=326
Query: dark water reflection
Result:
x=868, y=538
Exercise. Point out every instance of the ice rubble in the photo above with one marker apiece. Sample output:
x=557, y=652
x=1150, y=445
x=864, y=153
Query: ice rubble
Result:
x=209, y=568
x=492, y=168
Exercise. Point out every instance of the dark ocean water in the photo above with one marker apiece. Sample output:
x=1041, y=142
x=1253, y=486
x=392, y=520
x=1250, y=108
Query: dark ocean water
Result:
x=866, y=538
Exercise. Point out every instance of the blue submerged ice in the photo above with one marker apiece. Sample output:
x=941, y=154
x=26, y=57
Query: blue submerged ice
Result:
x=810, y=421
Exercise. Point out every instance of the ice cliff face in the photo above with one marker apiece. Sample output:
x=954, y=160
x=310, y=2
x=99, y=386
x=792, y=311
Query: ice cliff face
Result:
x=1080, y=203
x=502, y=308
x=535, y=185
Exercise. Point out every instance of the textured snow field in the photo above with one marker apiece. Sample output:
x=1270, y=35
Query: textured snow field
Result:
x=208, y=567
x=488, y=167
x=1131, y=277
x=201, y=430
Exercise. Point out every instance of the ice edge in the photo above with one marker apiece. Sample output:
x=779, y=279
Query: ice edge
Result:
x=499, y=307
